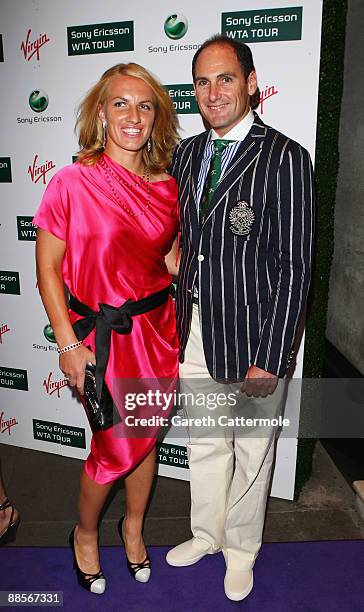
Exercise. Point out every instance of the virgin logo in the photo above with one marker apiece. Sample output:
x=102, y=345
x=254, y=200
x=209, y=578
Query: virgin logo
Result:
x=268, y=92
x=7, y=424
x=51, y=386
x=39, y=171
x=3, y=329
x=31, y=47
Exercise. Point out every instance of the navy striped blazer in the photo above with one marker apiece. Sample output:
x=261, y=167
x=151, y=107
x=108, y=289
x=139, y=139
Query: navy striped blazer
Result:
x=252, y=288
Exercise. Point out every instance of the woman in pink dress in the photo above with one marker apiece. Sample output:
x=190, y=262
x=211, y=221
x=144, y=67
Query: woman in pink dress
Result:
x=107, y=228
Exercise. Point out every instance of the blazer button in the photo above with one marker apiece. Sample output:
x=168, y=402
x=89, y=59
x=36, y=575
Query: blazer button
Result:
x=200, y=257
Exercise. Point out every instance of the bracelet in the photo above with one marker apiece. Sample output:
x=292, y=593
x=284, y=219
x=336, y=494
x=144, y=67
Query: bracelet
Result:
x=69, y=347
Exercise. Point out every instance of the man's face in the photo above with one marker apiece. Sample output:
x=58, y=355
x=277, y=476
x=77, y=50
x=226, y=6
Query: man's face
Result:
x=222, y=92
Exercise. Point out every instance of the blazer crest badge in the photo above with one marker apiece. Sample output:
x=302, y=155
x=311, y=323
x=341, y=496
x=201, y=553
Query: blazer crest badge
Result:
x=241, y=218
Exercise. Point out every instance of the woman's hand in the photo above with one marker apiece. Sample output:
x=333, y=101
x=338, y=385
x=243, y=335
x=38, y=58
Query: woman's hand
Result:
x=172, y=259
x=73, y=364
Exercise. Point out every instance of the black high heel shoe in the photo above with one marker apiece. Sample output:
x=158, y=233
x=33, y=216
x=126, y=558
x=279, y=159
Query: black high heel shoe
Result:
x=9, y=534
x=95, y=583
x=139, y=571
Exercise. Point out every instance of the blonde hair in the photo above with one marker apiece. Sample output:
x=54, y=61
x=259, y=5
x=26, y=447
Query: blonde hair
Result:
x=164, y=135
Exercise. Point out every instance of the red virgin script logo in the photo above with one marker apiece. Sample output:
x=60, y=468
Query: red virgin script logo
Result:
x=3, y=329
x=31, y=47
x=39, y=171
x=7, y=424
x=268, y=92
x=51, y=386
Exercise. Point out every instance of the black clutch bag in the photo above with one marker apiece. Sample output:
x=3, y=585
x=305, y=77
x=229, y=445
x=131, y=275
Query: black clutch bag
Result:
x=103, y=414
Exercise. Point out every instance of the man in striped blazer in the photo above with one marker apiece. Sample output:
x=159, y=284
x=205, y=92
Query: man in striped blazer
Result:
x=246, y=201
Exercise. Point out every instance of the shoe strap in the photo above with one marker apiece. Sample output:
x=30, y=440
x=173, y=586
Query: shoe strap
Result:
x=135, y=567
x=144, y=564
x=6, y=504
x=92, y=577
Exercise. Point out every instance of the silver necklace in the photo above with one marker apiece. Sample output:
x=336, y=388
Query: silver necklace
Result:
x=143, y=179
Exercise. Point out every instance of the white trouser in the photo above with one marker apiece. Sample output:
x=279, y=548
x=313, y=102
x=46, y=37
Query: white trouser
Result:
x=229, y=472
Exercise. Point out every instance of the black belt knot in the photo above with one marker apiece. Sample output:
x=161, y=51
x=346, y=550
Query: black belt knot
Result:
x=107, y=319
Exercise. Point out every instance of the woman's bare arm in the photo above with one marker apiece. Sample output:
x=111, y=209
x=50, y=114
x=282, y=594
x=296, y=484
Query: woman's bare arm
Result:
x=172, y=259
x=49, y=255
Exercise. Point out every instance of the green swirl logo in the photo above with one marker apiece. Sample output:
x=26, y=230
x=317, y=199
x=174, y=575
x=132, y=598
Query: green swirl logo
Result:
x=38, y=100
x=49, y=333
x=175, y=26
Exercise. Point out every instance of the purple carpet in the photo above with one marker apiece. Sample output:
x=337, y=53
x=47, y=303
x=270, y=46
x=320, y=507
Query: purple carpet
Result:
x=305, y=576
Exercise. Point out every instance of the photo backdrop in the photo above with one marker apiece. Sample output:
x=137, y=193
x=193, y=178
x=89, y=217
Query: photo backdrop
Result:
x=51, y=53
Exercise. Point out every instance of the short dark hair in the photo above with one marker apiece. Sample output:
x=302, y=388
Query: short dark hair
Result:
x=243, y=55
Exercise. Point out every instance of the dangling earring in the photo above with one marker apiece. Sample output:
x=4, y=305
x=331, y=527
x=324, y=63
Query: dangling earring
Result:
x=104, y=134
x=149, y=145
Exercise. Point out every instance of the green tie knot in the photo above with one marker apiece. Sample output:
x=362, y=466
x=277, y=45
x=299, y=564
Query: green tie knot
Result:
x=220, y=145
x=213, y=175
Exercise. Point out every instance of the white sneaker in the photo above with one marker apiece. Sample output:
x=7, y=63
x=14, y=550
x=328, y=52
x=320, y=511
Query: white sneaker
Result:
x=238, y=584
x=189, y=552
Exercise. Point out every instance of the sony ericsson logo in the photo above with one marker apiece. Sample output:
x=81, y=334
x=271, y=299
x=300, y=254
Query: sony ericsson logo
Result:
x=5, y=170
x=183, y=97
x=38, y=100
x=100, y=38
x=49, y=333
x=263, y=25
x=176, y=26
x=67, y=435
x=9, y=282
x=13, y=378
x=27, y=231
x=172, y=454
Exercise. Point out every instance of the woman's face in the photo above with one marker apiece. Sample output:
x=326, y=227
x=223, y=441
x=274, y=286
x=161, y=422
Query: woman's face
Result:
x=129, y=112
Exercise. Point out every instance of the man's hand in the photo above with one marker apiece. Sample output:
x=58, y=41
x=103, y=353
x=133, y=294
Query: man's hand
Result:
x=259, y=383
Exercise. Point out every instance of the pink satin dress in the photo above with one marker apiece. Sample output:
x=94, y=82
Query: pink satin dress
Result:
x=116, y=238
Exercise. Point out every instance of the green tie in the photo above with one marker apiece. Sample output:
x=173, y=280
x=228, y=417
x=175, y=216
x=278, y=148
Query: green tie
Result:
x=213, y=176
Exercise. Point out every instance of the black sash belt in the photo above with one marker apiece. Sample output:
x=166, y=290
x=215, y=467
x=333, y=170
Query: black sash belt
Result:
x=110, y=318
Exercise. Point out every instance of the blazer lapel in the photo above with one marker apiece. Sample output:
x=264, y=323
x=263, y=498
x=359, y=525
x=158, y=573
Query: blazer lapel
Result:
x=194, y=164
x=196, y=161
x=247, y=152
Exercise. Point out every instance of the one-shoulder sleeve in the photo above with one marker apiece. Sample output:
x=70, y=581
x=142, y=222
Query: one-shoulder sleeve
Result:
x=52, y=214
